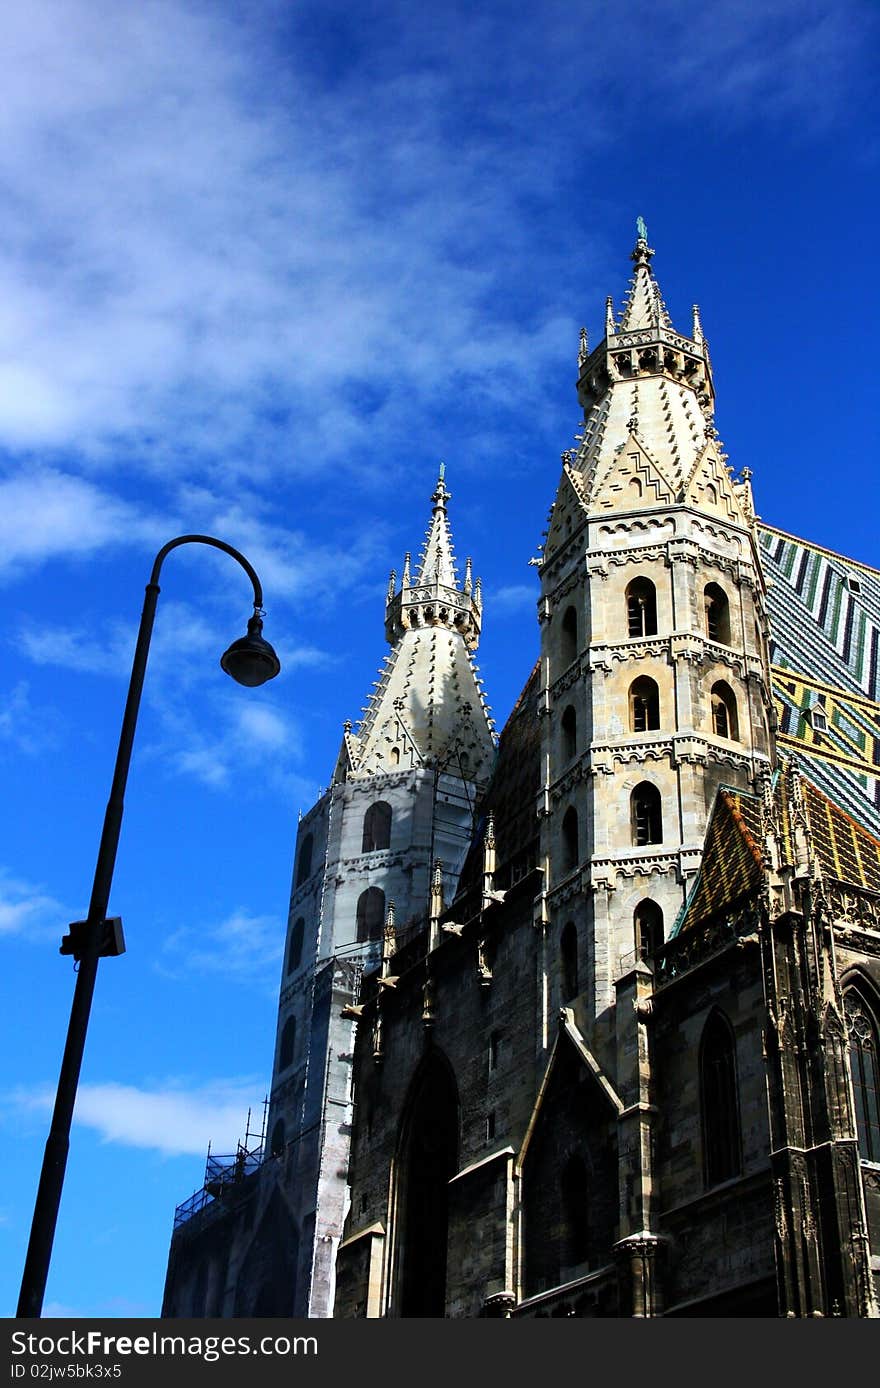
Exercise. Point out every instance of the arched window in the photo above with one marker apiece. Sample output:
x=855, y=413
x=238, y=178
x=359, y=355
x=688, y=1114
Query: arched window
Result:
x=304, y=862
x=717, y=614
x=648, y=926
x=371, y=914
x=277, y=1145
x=395, y=756
x=428, y=1148
x=719, y=1101
x=863, y=1060
x=644, y=705
x=294, y=953
x=569, y=733
x=724, y=719
x=377, y=827
x=641, y=607
x=570, y=845
x=574, y=1192
x=568, y=949
x=568, y=638
x=646, y=816
x=287, y=1044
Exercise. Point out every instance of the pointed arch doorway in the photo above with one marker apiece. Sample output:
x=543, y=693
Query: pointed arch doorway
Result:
x=427, y=1161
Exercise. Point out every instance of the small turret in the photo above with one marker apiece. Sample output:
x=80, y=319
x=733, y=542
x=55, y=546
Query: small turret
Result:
x=433, y=598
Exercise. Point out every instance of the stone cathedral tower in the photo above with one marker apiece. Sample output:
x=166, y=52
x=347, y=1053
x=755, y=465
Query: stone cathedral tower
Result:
x=389, y=834
x=587, y=1024
x=655, y=685
x=631, y=1068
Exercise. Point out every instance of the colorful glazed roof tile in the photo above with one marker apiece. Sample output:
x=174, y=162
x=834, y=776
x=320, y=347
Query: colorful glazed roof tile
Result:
x=735, y=856
x=825, y=659
x=732, y=865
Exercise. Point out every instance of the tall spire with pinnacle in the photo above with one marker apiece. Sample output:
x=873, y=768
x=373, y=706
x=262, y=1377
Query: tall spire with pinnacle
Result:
x=648, y=399
x=427, y=706
x=437, y=564
x=644, y=307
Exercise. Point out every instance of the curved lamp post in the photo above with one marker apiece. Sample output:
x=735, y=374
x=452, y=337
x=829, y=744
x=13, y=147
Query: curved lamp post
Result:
x=250, y=661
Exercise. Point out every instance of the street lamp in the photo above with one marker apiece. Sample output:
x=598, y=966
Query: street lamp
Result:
x=250, y=661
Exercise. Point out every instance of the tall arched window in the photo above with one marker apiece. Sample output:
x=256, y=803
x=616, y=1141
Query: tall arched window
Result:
x=575, y=1211
x=863, y=1060
x=644, y=705
x=294, y=953
x=377, y=827
x=371, y=914
x=648, y=927
x=646, y=817
x=569, y=733
x=570, y=845
x=641, y=607
x=568, y=638
x=719, y=1101
x=724, y=720
x=428, y=1159
x=717, y=614
x=304, y=862
x=278, y=1137
x=568, y=949
x=287, y=1044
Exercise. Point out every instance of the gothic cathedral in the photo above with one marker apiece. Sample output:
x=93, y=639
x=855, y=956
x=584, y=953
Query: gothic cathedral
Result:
x=584, y=1020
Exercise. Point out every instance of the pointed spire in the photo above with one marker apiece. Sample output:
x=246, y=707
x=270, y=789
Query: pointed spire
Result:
x=609, y=317
x=697, y=332
x=437, y=564
x=640, y=310
x=584, y=348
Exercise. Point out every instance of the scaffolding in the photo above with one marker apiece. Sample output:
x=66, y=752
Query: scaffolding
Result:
x=224, y=1173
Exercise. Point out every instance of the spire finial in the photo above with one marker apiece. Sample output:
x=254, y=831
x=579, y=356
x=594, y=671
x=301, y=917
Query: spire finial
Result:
x=441, y=495
x=643, y=252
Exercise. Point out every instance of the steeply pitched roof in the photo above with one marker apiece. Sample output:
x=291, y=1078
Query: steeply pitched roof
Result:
x=744, y=833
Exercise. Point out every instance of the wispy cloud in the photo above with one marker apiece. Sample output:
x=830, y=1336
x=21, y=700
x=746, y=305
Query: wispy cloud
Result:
x=49, y=513
x=264, y=264
x=243, y=946
x=171, y=1118
x=27, y=909
x=513, y=599
x=23, y=727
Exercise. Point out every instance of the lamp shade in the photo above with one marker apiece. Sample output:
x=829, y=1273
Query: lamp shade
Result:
x=251, y=660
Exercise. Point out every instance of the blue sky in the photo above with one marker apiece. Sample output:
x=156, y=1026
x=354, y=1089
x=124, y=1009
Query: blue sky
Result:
x=263, y=266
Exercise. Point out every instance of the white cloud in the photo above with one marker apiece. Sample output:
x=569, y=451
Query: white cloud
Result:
x=242, y=946
x=264, y=264
x=515, y=598
x=170, y=1118
x=262, y=726
x=22, y=726
x=49, y=513
x=27, y=909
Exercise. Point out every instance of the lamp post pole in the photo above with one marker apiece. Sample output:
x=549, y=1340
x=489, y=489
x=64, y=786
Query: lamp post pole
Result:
x=250, y=661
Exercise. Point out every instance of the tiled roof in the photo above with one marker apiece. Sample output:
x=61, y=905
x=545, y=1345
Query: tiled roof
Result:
x=734, y=855
x=825, y=653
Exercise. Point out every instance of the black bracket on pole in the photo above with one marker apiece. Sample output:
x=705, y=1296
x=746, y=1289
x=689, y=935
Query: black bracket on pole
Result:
x=112, y=940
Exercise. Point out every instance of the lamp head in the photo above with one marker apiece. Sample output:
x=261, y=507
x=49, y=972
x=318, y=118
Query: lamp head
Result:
x=251, y=660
